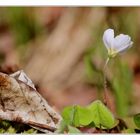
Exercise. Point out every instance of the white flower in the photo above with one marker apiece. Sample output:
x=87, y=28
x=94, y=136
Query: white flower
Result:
x=117, y=44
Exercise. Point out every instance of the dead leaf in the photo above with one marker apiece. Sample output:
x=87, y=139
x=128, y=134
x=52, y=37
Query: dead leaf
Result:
x=19, y=101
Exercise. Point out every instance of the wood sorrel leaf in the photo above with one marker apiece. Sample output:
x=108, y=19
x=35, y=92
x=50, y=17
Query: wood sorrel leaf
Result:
x=77, y=116
x=68, y=115
x=137, y=120
x=84, y=115
x=101, y=115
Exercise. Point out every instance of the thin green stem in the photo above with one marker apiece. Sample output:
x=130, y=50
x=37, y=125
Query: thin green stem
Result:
x=106, y=97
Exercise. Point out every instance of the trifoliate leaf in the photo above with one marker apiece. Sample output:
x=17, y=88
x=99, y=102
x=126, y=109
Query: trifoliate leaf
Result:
x=101, y=115
x=84, y=115
x=77, y=116
x=68, y=115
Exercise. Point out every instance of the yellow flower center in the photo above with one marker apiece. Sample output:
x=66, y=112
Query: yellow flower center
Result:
x=112, y=52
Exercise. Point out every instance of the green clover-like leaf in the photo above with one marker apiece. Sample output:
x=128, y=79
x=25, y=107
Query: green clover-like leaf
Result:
x=77, y=116
x=101, y=115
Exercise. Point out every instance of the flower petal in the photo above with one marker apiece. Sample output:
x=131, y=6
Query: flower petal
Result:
x=122, y=42
x=126, y=47
x=108, y=38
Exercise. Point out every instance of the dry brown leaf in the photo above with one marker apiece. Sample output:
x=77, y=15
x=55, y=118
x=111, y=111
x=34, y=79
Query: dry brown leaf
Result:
x=19, y=101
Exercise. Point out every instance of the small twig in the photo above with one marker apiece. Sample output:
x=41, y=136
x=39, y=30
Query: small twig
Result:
x=43, y=126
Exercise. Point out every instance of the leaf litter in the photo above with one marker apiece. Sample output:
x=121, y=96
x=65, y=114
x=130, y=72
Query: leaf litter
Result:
x=20, y=102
